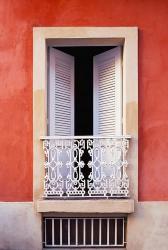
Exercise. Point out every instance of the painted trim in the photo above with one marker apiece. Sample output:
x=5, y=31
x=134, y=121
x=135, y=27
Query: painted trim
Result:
x=114, y=36
x=122, y=206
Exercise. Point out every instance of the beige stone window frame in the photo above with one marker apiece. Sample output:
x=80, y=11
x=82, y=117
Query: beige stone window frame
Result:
x=84, y=36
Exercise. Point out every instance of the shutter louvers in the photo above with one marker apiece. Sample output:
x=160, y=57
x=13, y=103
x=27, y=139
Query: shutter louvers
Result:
x=61, y=94
x=108, y=93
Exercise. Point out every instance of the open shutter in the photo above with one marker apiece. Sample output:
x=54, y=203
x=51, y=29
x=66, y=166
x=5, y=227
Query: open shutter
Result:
x=61, y=93
x=107, y=108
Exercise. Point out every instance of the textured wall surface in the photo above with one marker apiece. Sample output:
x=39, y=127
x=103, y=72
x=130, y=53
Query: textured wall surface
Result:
x=17, y=233
x=16, y=21
x=148, y=227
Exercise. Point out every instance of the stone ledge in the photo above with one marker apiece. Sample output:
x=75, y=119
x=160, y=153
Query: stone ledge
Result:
x=86, y=206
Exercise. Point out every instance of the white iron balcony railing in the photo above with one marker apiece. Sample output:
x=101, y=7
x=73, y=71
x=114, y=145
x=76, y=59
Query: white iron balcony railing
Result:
x=85, y=166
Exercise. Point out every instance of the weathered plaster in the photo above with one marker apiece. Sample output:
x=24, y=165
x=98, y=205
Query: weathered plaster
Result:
x=147, y=229
x=39, y=118
x=17, y=19
x=132, y=117
x=20, y=226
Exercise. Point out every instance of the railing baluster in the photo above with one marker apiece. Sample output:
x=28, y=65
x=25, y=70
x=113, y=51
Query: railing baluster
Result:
x=69, y=232
x=108, y=232
x=91, y=232
x=115, y=231
x=84, y=232
x=52, y=232
x=76, y=231
x=60, y=232
x=100, y=231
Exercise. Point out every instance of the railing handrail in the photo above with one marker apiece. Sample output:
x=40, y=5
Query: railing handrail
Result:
x=84, y=137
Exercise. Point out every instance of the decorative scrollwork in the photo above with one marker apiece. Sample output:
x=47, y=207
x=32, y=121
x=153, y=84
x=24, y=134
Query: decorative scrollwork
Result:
x=94, y=167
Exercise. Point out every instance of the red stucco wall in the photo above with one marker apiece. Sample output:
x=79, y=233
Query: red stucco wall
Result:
x=16, y=21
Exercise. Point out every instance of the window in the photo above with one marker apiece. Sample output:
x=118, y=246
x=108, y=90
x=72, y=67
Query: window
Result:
x=85, y=166
x=102, y=91
x=83, y=36
x=84, y=232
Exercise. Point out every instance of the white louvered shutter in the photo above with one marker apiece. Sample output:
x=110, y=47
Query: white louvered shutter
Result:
x=107, y=108
x=61, y=93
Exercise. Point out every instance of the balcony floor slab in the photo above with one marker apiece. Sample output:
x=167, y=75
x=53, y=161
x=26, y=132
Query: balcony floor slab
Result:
x=102, y=206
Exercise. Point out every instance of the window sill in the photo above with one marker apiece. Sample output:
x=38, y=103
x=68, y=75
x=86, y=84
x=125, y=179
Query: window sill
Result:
x=86, y=206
